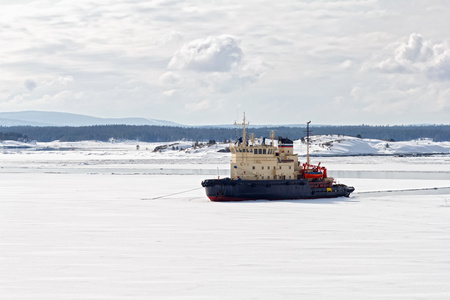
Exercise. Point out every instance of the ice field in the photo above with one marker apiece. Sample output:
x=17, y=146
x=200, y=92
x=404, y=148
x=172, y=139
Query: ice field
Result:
x=94, y=220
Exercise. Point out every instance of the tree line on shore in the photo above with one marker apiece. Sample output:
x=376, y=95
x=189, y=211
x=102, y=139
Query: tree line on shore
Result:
x=169, y=133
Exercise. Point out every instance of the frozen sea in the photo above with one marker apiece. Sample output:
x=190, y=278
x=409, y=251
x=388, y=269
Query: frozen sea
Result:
x=106, y=221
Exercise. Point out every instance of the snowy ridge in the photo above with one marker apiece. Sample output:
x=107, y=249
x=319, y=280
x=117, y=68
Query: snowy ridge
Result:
x=332, y=145
x=16, y=144
x=324, y=145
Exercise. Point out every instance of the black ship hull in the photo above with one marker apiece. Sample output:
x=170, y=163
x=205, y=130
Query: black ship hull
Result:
x=239, y=190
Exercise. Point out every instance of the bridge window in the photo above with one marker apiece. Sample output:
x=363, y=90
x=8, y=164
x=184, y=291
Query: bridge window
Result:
x=256, y=151
x=260, y=151
x=264, y=151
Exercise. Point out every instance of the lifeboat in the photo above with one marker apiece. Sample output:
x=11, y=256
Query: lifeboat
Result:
x=313, y=175
x=314, y=172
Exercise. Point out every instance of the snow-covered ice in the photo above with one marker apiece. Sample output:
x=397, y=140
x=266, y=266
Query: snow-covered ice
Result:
x=346, y=145
x=106, y=221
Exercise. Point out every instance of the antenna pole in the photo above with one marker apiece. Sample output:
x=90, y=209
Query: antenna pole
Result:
x=307, y=142
x=244, y=133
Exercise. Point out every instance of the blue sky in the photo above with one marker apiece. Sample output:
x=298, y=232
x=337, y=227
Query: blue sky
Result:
x=205, y=62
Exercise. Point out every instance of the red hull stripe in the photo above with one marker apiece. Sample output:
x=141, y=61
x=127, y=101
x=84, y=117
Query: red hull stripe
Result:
x=219, y=199
x=212, y=198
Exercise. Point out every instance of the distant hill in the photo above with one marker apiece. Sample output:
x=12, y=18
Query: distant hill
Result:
x=46, y=118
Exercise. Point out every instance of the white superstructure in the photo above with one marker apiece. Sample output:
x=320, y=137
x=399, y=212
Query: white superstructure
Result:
x=263, y=161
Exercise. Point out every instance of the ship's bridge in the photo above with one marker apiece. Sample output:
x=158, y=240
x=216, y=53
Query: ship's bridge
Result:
x=285, y=146
x=256, y=150
x=264, y=162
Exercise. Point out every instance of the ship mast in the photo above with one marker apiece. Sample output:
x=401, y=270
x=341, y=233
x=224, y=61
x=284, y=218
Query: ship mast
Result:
x=307, y=143
x=244, y=132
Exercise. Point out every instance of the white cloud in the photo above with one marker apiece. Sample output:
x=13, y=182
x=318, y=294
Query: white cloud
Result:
x=440, y=63
x=415, y=50
x=121, y=58
x=170, y=78
x=47, y=93
x=228, y=82
x=198, y=106
x=211, y=54
x=61, y=81
x=170, y=93
x=30, y=84
x=394, y=99
x=212, y=65
x=418, y=56
x=173, y=37
x=347, y=64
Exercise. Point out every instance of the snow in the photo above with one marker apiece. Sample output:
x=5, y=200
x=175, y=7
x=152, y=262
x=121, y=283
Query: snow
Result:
x=345, y=145
x=107, y=221
x=15, y=144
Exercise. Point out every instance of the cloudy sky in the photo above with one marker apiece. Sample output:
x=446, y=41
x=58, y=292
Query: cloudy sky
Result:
x=205, y=62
